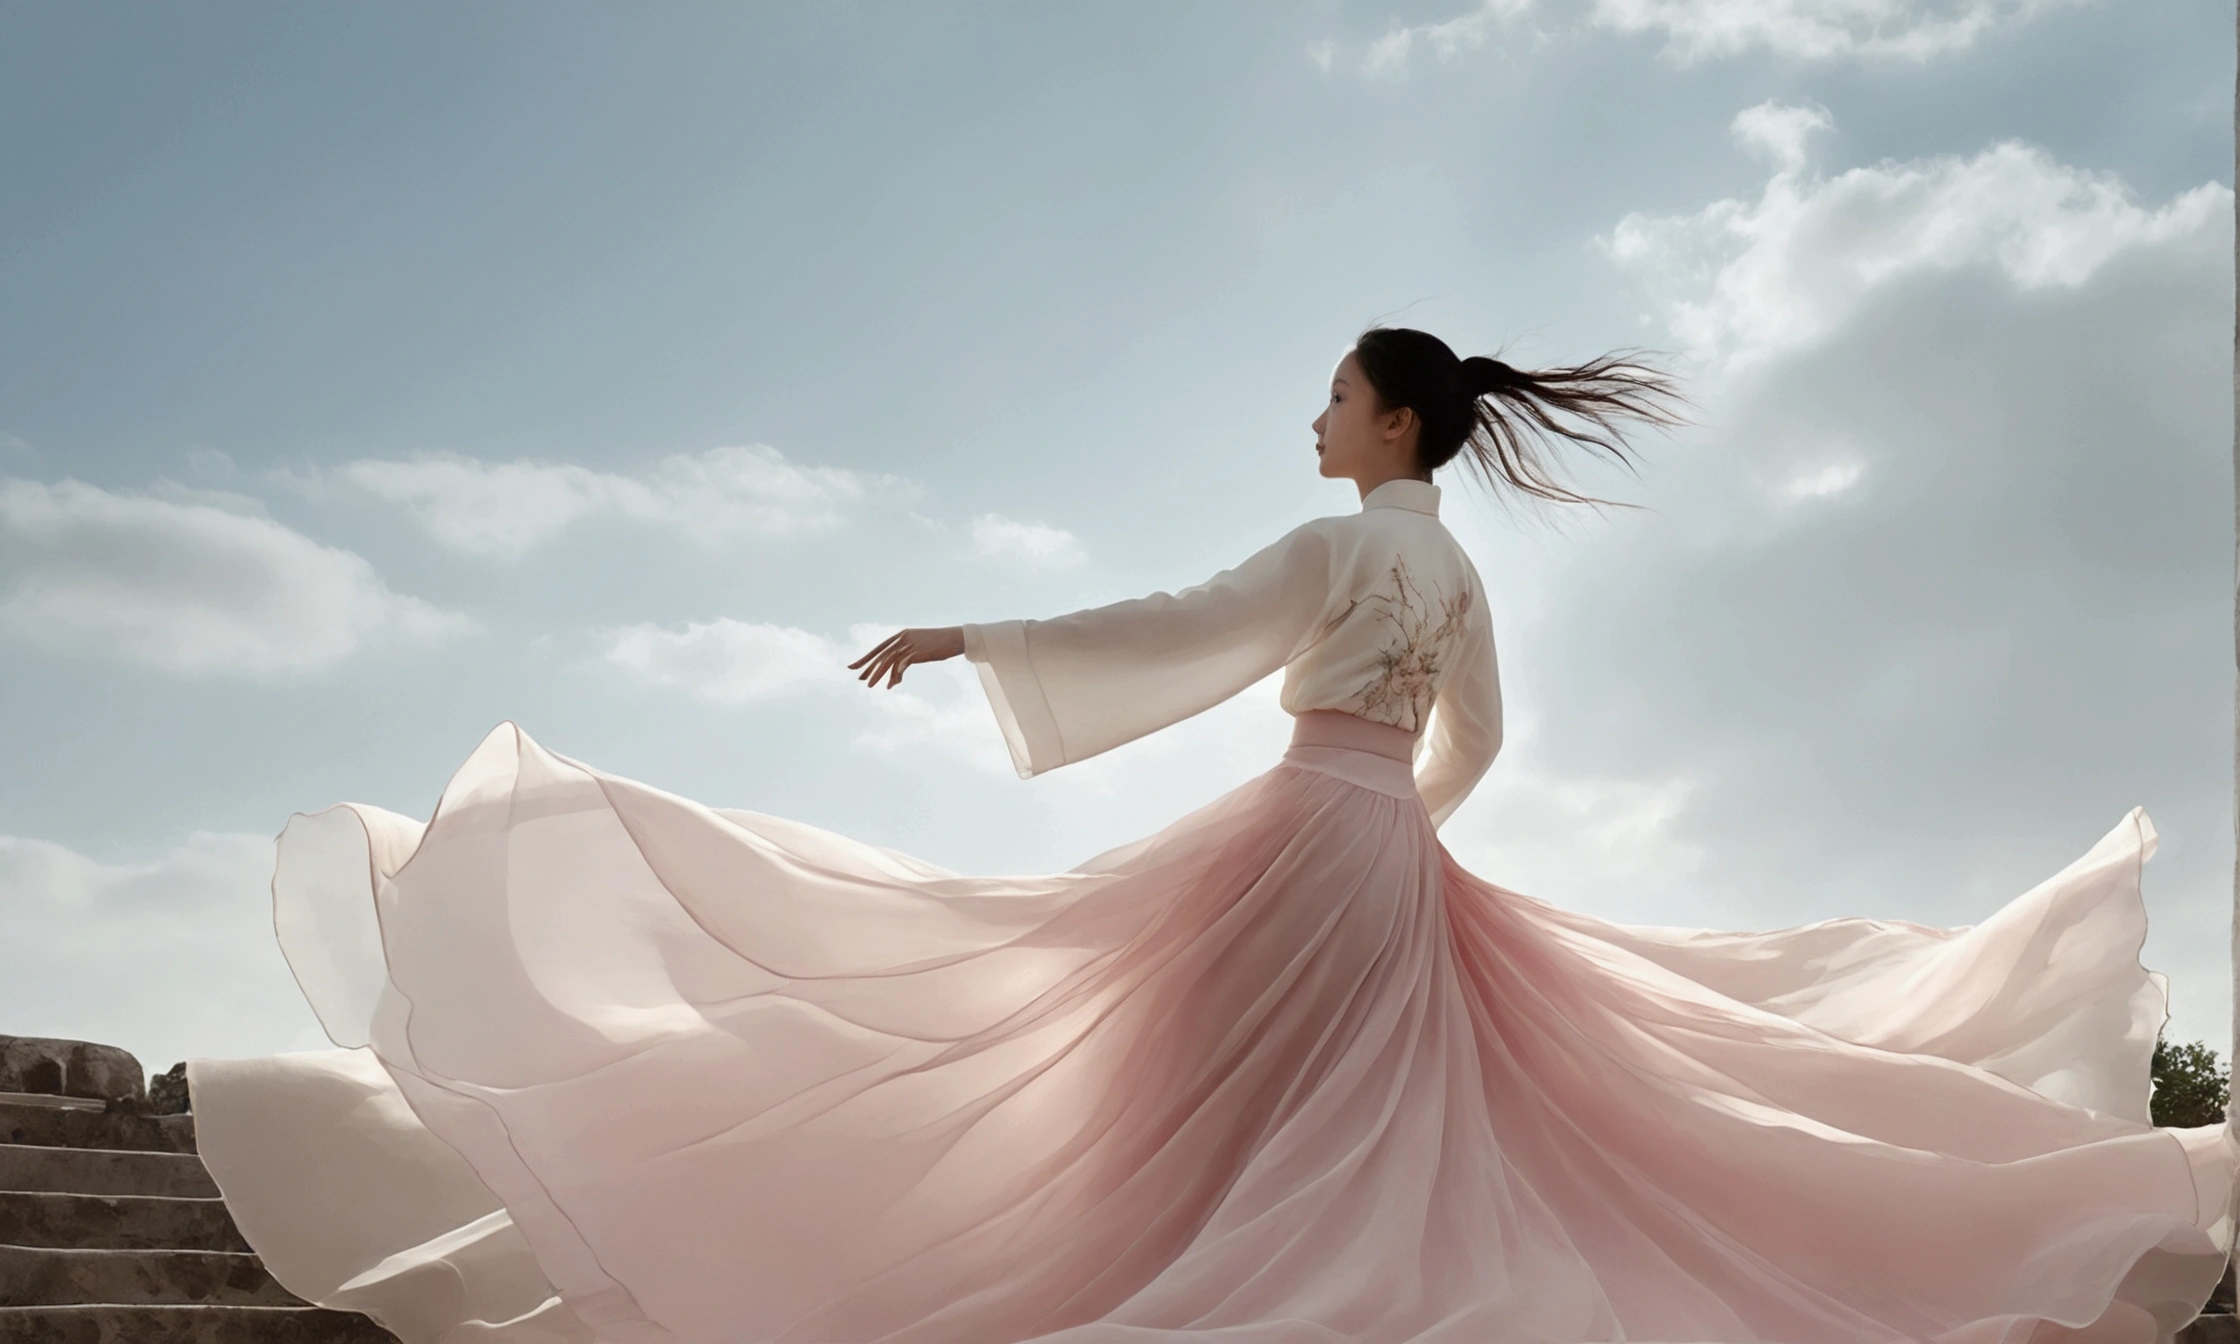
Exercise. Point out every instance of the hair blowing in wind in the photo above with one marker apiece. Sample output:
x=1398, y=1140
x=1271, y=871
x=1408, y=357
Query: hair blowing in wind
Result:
x=1508, y=422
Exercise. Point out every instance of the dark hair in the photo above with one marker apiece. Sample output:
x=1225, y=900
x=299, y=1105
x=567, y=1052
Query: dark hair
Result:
x=1504, y=417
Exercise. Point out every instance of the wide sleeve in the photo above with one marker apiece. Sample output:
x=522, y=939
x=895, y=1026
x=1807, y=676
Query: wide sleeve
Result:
x=1465, y=730
x=1067, y=688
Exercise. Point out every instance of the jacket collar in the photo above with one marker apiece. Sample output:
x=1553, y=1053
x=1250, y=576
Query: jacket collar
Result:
x=1416, y=496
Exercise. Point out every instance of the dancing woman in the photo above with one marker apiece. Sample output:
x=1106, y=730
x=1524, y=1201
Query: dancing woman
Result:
x=619, y=1066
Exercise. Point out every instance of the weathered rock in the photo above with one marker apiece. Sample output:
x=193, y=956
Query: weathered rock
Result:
x=111, y=1230
x=116, y=1222
x=187, y=1325
x=2211, y=1330
x=70, y=1068
x=99, y=1171
x=78, y=1122
x=167, y=1091
x=37, y=1276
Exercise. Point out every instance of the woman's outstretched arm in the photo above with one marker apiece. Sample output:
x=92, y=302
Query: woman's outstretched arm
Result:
x=1072, y=686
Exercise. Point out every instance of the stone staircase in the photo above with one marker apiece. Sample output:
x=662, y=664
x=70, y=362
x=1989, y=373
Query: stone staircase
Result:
x=111, y=1231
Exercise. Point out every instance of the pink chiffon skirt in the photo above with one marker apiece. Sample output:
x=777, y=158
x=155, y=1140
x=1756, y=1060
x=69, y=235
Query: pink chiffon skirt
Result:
x=618, y=1066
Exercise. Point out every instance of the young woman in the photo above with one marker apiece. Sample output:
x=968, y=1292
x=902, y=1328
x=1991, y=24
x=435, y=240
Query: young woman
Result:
x=633, y=1069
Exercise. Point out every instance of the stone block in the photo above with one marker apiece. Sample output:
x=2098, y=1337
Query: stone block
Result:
x=187, y=1325
x=70, y=1068
x=70, y=1122
x=116, y=1222
x=102, y=1171
x=37, y=1276
x=167, y=1091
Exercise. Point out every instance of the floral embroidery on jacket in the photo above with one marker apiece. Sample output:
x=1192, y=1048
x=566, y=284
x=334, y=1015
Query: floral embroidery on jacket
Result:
x=1411, y=668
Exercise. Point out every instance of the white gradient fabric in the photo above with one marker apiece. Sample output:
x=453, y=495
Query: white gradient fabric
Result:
x=641, y=1071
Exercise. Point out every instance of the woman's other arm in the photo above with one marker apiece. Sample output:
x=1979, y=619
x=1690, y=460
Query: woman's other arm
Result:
x=1465, y=731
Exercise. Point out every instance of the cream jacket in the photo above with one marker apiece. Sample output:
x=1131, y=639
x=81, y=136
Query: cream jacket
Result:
x=1377, y=613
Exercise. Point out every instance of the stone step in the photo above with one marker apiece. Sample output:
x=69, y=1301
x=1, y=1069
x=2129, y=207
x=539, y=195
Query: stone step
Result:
x=187, y=1325
x=2211, y=1330
x=103, y=1171
x=70, y=1122
x=50, y=1099
x=44, y=1277
x=116, y=1222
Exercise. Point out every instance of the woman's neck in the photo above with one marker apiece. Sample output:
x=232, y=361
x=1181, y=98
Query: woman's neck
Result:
x=1371, y=481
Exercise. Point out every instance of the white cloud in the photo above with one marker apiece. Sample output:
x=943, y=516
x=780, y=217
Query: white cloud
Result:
x=1389, y=55
x=1823, y=482
x=1038, y=544
x=939, y=707
x=1322, y=54
x=729, y=662
x=169, y=958
x=1913, y=30
x=187, y=585
x=1620, y=843
x=211, y=462
x=1745, y=279
x=507, y=508
x=1941, y=588
x=1695, y=30
x=1781, y=131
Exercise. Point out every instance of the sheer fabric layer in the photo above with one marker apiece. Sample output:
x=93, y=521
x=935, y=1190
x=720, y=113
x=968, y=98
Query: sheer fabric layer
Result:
x=1282, y=1071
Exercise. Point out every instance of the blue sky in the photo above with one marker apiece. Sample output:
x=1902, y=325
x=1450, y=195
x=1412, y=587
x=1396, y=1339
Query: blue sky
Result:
x=370, y=375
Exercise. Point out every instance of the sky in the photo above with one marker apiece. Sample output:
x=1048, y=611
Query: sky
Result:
x=373, y=375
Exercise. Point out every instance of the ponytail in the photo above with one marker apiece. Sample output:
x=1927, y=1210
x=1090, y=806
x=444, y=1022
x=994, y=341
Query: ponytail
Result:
x=1504, y=420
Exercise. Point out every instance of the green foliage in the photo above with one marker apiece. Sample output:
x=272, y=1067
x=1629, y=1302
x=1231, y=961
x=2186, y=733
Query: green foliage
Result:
x=2190, y=1087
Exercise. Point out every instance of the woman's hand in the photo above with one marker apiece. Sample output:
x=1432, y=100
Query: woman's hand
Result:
x=899, y=651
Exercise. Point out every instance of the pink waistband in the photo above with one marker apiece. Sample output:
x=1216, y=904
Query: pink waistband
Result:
x=1336, y=728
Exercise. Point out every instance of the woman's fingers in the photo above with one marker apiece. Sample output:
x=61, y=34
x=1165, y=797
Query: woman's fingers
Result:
x=879, y=657
x=911, y=653
x=877, y=649
x=889, y=665
x=892, y=655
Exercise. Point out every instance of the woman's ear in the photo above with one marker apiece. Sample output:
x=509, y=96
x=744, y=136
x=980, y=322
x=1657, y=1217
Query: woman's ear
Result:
x=1397, y=423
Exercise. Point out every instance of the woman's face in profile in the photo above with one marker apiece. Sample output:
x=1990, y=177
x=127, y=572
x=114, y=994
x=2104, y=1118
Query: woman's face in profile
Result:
x=1350, y=433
